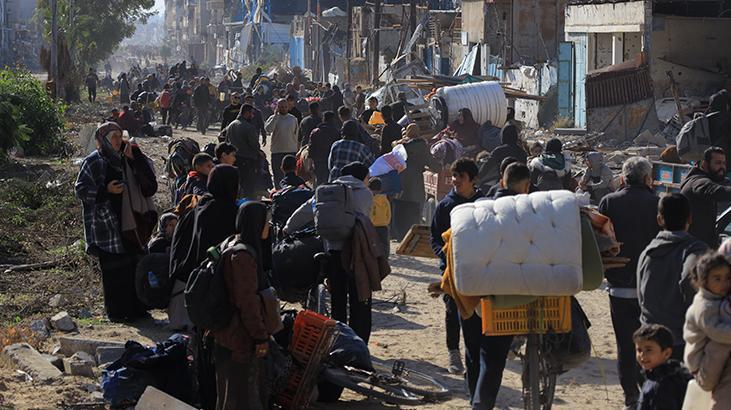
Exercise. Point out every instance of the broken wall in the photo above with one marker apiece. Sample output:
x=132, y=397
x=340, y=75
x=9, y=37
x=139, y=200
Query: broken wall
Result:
x=623, y=122
x=536, y=81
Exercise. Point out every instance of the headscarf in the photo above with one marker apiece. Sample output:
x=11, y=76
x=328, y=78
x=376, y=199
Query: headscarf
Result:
x=719, y=102
x=250, y=222
x=509, y=135
x=596, y=162
x=103, y=135
x=553, y=158
x=223, y=182
x=355, y=169
x=350, y=130
x=411, y=131
x=467, y=132
x=164, y=220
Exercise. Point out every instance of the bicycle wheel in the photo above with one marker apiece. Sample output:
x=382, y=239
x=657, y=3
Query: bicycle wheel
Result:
x=413, y=381
x=369, y=385
x=318, y=300
x=539, y=383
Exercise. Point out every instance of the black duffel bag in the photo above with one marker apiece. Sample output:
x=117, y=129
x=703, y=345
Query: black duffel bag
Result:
x=152, y=280
x=566, y=351
x=293, y=264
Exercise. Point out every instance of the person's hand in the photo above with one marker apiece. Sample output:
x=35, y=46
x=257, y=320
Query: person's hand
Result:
x=115, y=187
x=128, y=150
x=261, y=350
x=435, y=289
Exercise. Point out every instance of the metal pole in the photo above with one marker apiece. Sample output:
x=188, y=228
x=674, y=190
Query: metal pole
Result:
x=349, y=44
x=376, y=41
x=53, y=72
x=412, y=16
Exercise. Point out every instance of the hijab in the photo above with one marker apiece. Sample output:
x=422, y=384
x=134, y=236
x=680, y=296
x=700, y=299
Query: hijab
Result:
x=509, y=135
x=553, y=158
x=104, y=136
x=467, y=132
x=411, y=131
x=223, y=182
x=250, y=221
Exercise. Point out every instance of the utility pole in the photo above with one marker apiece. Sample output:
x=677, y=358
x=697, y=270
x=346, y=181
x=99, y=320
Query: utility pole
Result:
x=376, y=41
x=54, y=48
x=349, y=43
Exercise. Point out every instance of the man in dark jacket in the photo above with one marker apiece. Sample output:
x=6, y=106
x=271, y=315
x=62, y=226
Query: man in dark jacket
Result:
x=464, y=172
x=321, y=140
x=244, y=136
x=391, y=131
x=201, y=100
x=310, y=122
x=257, y=119
x=633, y=211
x=292, y=104
x=231, y=111
x=664, y=269
x=705, y=187
x=490, y=170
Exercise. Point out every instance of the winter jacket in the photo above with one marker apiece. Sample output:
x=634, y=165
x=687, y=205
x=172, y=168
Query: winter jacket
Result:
x=292, y=180
x=305, y=214
x=380, y=211
x=633, y=211
x=246, y=328
x=364, y=257
x=412, y=178
x=708, y=339
x=284, y=130
x=490, y=170
x=308, y=124
x=242, y=135
x=663, y=279
x=598, y=178
x=196, y=184
x=321, y=141
x=549, y=171
x=391, y=132
x=704, y=195
x=230, y=113
x=441, y=221
x=201, y=96
x=664, y=387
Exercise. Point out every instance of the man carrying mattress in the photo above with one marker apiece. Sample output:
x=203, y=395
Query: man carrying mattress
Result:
x=464, y=172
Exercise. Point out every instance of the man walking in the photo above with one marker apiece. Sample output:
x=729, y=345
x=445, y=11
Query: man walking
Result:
x=91, y=81
x=633, y=211
x=201, y=100
x=310, y=122
x=321, y=140
x=284, y=129
x=244, y=136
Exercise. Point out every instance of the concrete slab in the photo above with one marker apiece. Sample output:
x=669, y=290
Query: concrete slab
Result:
x=154, y=399
x=73, y=344
x=80, y=364
x=26, y=358
x=108, y=354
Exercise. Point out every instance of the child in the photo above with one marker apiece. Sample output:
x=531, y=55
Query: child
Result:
x=665, y=379
x=197, y=182
x=289, y=168
x=161, y=242
x=380, y=213
x=226, y=153
x=707, y=330
x=536, y=149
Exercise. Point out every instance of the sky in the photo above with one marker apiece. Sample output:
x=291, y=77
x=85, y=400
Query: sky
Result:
x=160, y=5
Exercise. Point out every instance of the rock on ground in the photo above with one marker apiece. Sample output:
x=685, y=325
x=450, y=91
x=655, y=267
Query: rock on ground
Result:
x=40, y=328
x=154, y=399
x=108, y=354
x=62, y=321
x=80, y=364
x=57, y=300
x=73, y=344
x=26, y=358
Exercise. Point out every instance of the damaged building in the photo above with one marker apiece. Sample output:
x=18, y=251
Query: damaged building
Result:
x=624, y=62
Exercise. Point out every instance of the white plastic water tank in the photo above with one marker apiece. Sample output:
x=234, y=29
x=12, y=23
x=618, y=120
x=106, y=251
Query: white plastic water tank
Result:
x=485, y=99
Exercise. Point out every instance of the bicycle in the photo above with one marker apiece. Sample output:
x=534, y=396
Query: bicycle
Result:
x=318, y=297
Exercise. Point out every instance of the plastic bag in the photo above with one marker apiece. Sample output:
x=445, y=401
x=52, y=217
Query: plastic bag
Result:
x=391, y=161
x=349, y=349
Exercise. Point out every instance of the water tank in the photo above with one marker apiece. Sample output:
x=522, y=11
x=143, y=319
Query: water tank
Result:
x=485, y=99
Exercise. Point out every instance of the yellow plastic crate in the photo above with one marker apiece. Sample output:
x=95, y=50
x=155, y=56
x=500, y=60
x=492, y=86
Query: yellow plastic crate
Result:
x=547, y=314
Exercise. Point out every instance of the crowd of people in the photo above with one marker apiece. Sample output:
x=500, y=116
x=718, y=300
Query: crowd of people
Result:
x=668, y=303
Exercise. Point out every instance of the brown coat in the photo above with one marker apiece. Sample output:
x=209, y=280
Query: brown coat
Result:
x=247, y=324
x=364, y=256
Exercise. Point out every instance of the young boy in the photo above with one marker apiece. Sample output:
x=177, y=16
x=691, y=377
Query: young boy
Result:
x=666, y=379
x=197, y=182
x=226, y=153
x=289, y=169
x=380, y=213
x=664, y=269
x=464, y=172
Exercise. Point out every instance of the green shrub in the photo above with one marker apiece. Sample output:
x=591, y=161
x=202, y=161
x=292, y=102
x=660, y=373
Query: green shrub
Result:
x=36, y=110
x=13, y=130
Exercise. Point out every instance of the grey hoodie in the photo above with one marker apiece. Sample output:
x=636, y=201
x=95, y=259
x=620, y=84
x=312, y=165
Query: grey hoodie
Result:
x=305, y=214
x=663, y=279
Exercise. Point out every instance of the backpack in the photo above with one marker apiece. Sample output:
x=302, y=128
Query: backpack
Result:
x=286, y=201
x=152, y=281
x=694, y=138
x=180, y=157
x=206, y=297
x=334, y=211
x=293, y=265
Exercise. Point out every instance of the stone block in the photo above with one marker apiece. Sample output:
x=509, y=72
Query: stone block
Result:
x=73, y=344
x=154, y=399
x=56, y=361
x=80, y=364
x=40, y=328
x=27, y=359
x=108, y=354
x=63, y=322
x=57, y=300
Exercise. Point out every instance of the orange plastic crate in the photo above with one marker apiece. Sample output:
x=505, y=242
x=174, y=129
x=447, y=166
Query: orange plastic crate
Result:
x=547, y=314
x=309, y=328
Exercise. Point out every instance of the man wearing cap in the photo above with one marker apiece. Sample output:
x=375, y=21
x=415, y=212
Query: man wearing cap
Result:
x=284, y=129
x=231, y=111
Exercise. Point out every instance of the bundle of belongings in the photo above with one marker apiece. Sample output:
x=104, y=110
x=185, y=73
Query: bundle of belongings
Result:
x=515, y=249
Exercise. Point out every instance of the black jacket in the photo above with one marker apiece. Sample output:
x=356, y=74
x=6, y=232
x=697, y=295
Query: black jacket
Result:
x=663, y=279
x=664, y=387
x=441, y=221
x=633, y=211
x=704, y=195
x=490, y=170
x=412, y=178
x=308, y=124
x=322, y=139
x=230, y=112
x=391, y=132
x=291, y=179
x=201, y=96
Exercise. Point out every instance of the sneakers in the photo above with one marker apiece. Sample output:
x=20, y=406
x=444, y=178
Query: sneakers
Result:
x=455, y=362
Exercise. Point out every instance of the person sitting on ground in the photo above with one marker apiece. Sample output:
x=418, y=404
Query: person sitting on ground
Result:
x=552, y=169
x=380, y=213
x=348, y=150
x=664, y=269
x=128, y=121
x=598, y=179
x=197, y=181
x=490, y=170
x=464, y=171
x=707, y=330
x=666, y=380
x=241, y=346
x=225, y=153
x=161, y=242
x=391, y=131
x=289, y=169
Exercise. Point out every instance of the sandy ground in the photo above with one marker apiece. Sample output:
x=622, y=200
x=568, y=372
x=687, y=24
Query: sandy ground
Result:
x=412, y=332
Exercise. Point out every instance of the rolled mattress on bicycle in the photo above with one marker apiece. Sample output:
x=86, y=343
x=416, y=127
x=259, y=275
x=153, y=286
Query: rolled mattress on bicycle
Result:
x=519, y=245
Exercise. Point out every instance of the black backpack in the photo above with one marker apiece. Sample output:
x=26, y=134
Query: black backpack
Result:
x=152, y=281
x=286, y=201
x=206, y=297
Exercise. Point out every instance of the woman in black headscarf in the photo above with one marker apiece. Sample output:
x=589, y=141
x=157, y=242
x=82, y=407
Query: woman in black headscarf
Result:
x=242, y=344
x=464, y=128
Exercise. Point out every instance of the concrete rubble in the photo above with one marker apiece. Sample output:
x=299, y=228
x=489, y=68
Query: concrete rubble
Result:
x=41, y=328
x=27, y=359
x=73, y=344
x=154, y=399
x=108, y=354
x=79, y=364
x=63, y=322
x=57, y=300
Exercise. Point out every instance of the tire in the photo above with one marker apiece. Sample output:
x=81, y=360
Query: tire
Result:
x=362, y=382
x=416, y=382
x=539, y=384
x=318, y=300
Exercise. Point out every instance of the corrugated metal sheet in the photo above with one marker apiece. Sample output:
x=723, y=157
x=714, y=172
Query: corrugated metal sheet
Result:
x=618, y=87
